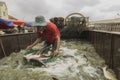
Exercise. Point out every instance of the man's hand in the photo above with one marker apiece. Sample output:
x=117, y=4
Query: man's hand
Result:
x=29, y=47
x=35, y=42
x=56, y=52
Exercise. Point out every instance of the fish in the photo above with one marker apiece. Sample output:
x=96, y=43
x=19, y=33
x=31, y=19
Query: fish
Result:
x=40, y=60
x=108, y=74
x=68, y=56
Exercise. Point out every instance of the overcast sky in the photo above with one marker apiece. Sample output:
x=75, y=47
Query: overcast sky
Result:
x=94, y=9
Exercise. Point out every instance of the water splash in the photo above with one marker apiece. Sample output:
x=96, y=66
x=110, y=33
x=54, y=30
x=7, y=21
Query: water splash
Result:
x=77, y=61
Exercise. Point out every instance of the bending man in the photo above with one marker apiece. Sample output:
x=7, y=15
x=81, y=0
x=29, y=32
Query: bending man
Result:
x=48, y=32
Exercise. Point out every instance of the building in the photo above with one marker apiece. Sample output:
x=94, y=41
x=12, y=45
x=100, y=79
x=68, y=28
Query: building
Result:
x=3, y=10
x=116, y=20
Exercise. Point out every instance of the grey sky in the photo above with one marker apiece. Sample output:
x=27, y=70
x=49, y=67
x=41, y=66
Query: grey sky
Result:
x=95, y=9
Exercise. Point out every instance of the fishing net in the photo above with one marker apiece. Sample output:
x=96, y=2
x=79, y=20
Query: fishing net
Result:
x=35, y=62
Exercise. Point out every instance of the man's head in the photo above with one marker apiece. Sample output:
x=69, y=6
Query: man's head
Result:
x=40, y=23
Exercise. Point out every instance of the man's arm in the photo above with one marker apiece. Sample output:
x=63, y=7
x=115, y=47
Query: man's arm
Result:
x=35, y=42
x=57, y=45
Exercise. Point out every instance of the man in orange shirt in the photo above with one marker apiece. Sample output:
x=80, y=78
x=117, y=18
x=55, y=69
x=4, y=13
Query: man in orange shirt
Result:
x=48, y=32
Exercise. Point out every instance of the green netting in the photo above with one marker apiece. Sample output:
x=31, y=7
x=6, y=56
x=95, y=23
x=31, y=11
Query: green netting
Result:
x=35, y=62
x=31, y=51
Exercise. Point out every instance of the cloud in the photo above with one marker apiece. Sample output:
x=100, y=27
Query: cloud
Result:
x=50, y=8
x=95, y=9
x=82, y=3
x=113, y=8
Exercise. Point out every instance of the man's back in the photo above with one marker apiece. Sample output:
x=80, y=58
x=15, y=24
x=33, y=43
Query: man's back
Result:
x=50, y=33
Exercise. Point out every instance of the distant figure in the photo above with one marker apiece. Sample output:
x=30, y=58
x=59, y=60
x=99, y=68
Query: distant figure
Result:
x=52, y=20
x=19, y=28
x=1, y=32
x=59, y=22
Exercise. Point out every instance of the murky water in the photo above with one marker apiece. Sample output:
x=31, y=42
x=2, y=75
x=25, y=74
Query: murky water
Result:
x=77, y=61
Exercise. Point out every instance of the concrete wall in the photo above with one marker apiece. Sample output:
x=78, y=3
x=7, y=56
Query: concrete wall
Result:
x=14, y=42
x=107, y=44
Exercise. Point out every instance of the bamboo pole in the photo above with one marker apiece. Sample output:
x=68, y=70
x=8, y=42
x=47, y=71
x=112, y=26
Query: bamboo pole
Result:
x=2, y=47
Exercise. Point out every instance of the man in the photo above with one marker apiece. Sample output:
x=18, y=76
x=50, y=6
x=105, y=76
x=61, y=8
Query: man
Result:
x=48, y=32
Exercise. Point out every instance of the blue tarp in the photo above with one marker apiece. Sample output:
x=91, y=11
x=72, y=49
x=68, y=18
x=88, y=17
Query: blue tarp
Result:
x=27, y=24
x=7, y=23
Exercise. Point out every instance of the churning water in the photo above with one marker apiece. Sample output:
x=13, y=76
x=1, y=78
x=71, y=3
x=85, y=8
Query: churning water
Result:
x=77, y=60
